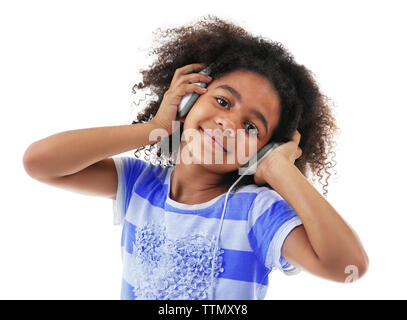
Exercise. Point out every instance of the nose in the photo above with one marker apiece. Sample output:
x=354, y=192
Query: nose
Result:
x=227, y=126
x=229, y=133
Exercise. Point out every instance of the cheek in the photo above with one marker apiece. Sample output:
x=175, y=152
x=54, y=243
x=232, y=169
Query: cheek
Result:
x=190, y=121
x=196, y=115
x=246, y=146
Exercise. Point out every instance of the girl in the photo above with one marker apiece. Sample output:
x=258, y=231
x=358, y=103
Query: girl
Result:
x=189, y=231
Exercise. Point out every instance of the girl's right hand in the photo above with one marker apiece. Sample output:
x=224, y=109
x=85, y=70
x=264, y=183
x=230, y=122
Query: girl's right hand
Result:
x=182, y=83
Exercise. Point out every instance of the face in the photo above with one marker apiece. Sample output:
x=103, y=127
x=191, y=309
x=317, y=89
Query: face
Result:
x=241, y=109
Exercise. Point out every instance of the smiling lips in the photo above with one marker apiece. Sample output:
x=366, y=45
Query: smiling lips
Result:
x=216, y=140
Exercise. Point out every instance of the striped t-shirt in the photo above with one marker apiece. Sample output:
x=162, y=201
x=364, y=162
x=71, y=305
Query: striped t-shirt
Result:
x=167, y=246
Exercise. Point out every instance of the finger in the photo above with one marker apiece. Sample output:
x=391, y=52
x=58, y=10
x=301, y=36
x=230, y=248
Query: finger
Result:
x=188, y=88
x=296, y=137
x=298, y=154
x=189, y=68
x=192, y=78
x=195, y=77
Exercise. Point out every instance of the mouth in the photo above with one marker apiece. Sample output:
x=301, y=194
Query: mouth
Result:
x=214, y=142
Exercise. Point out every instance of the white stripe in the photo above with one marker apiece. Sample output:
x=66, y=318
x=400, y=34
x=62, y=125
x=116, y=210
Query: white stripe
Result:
x=274, y=250
x=234, y=232
x=118, y=204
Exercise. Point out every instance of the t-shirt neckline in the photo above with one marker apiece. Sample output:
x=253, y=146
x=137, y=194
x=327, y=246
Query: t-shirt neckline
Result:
x=180, y=205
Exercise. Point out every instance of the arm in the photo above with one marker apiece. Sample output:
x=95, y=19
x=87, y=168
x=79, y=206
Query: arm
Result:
x=324, y=245
x=69, y=152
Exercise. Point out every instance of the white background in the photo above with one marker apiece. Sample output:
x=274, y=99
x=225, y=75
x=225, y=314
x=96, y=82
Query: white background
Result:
x=71, y=64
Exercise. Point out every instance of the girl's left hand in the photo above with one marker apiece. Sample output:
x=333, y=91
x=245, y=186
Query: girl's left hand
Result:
x=289, y=151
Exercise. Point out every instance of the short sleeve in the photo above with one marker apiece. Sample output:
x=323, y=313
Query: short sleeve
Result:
x=128, y=171
x=270, y=221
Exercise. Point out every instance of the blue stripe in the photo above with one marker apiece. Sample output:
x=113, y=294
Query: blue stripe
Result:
x=284, y=263
x=237, y=207
x=243, y=266
x=152, y=189
x=128, y=236
x=127, y=291
x=266, y=226
x=237, y=265
x=132, y=168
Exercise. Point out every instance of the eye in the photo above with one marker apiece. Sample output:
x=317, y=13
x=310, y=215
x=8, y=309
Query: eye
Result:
x=228, y=103
x=257, y=130
x=224, y=100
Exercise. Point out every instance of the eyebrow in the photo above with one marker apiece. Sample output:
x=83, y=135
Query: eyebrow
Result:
x=237, y=95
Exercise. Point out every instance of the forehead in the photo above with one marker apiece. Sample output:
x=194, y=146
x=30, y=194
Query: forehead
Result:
x=256, y=92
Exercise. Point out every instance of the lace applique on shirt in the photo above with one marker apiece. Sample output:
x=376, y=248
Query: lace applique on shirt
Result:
x=166, y=269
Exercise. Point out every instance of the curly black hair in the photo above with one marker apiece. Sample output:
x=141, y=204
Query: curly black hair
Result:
x=228, y=47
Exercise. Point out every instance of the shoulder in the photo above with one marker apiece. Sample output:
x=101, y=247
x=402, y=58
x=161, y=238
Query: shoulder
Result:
x=267, y=204
x=132, y=164
x=256, y=200
x=261, y=194
x=136, y=173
